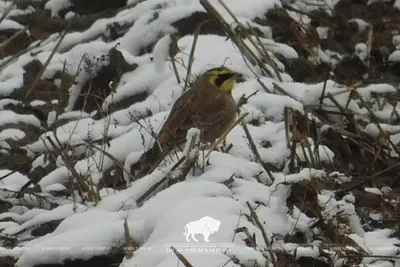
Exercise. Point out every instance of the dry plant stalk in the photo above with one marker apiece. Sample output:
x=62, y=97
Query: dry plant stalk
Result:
x=288, y=122
x=39, y=75
x=191, y=56
x=83, y=187
x=110, y=157
x=263, y=52
x=15, y=36
x=369, y=47
x=7, y=11
x=264, y=234
x=17, y=55
x=255, y=151
x=182, y=258
x=242, y=46
x=128, y=248
x=173, y=51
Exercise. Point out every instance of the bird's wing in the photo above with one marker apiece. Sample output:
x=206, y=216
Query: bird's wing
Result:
x=216, y=117
x=179, y=121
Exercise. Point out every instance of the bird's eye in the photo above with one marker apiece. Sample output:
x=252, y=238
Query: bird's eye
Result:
x=221, y=78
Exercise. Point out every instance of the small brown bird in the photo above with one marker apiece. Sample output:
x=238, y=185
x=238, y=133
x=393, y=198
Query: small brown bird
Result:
x=208, y=105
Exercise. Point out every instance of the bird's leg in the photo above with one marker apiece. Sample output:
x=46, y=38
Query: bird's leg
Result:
x=220, y=145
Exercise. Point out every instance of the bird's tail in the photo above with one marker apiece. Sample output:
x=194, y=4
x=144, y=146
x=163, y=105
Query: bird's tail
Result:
x=148, y=161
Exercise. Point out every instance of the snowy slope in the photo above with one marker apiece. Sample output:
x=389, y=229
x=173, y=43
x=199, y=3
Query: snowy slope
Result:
x=221, y=186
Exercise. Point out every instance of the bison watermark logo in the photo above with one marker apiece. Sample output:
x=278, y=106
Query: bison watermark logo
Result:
x=205, y=226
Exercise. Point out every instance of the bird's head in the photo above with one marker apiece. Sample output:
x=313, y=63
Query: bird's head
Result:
x=222, y=77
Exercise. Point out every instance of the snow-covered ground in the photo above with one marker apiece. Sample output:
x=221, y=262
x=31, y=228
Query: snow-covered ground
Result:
x=92, y=228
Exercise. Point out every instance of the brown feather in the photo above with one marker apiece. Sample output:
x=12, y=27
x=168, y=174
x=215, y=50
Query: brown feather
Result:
x=203, y=106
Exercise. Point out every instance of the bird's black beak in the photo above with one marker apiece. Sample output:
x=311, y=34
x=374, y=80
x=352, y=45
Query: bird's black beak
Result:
x=239, y=77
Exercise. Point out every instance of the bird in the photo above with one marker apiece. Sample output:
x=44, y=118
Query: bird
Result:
x=208, y=106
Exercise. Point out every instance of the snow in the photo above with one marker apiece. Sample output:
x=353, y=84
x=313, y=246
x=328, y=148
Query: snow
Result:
x=362, y=24
x=70, y=15
x=396, y=4
x=377, y=242
x=54, y=187
x=161, y=52
x=394, y=56
x=7, y=116
x=12, y=182
x=373, y=191
x=361, y=51
x=10, y=24
x=91, y=229
x=36, y=103
x=57, y=5
x=13, y=134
